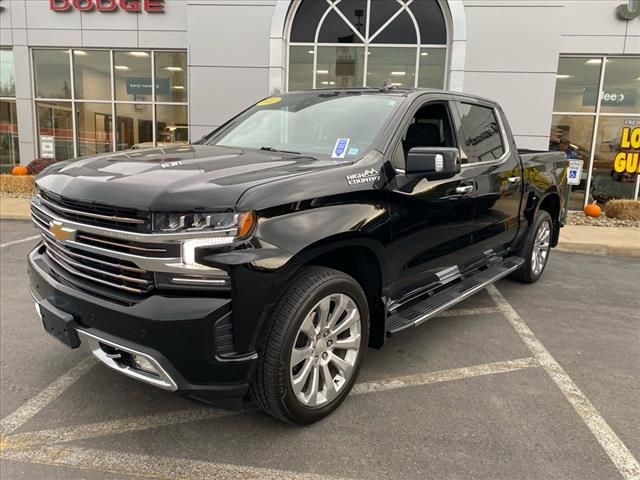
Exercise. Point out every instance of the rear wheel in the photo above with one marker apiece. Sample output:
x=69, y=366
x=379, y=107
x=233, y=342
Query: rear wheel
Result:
x=315, y=341
x=536, y=249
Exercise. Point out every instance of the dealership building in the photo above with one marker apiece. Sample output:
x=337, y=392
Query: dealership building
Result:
x=80, y=77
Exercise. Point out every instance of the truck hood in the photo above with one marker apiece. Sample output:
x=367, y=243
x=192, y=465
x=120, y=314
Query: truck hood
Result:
x=180, y=178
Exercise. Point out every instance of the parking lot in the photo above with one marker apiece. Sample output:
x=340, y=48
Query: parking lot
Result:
x=535, y=382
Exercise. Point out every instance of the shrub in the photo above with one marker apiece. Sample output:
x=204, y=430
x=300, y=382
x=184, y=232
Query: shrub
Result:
x=36, y=166
x=623, y=209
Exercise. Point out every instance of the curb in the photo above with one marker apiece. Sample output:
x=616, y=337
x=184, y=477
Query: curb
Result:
x=598, y=249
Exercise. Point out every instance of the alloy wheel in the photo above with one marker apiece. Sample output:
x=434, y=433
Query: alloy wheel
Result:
x=541, y=247
x=325, y=350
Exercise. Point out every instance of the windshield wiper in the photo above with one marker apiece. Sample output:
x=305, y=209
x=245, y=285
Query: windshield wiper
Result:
x=271, y=149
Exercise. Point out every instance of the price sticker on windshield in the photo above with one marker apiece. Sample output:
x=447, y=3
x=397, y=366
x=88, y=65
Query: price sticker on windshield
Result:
x=340, y=150
x=574, y=172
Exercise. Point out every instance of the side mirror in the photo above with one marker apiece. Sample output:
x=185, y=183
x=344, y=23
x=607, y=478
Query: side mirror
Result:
x=433, y=163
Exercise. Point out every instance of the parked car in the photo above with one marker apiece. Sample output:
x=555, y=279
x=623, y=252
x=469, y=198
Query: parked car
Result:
x=265, y=259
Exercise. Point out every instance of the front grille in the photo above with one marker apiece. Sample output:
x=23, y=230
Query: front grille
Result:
x=95, y=214
x=105, y=271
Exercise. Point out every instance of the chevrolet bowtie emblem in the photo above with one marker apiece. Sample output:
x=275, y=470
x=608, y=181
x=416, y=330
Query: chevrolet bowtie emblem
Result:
x=62, y=233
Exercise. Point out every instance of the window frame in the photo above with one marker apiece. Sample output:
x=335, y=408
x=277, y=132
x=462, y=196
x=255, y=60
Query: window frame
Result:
x=73, y=101
x=12, y=100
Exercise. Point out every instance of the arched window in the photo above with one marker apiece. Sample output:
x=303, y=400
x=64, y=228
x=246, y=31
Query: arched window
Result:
x=356, y=43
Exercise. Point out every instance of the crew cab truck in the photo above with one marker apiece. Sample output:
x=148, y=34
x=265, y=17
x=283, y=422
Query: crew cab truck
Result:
x=264, y=259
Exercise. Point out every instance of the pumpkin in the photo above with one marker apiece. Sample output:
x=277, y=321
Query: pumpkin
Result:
x=592, y=210
x=19, y=170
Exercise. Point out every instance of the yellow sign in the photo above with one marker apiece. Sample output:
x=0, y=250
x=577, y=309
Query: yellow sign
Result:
x=628, y=159
x=268, y=101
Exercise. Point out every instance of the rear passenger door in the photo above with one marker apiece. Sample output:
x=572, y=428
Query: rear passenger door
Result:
x=492, y=161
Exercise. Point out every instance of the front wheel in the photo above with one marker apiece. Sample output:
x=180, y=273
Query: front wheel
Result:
x=536, y=249
x=313, y=348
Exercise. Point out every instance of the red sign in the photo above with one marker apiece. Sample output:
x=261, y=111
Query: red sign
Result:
x=133, y=6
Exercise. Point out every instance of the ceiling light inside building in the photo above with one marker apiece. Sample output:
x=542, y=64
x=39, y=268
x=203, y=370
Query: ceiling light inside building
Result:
x=121, y=67
x=80, y=53
x=424, y=54
x=322, y=72
x=562, y=76
x=178, y=87
x=595, y=61
x=328, y=83
x=310, y=51
x=173, y=69
x=139, y=54
x=398, y=74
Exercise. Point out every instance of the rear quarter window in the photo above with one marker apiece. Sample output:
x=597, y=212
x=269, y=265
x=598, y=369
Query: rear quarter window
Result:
x=479, y=133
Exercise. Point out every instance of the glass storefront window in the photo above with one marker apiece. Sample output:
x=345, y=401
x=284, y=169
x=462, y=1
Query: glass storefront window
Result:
x=52, y=73
x=573, y=134
x=607, y=182
x=365, y=43
x=92, y=74
x=172, y=124
x=55, y=120
x=94, y=124
x=397, y=64
x=134, y=126
x=171, y=76
x=132, y=72
x=577, y=84
x=300, y=68
x=432, y=62
x=7, y=74
x=621, y=89
x=9, y=144
x=340, y=66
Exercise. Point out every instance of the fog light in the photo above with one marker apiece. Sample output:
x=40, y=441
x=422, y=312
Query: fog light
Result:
x=141, y=363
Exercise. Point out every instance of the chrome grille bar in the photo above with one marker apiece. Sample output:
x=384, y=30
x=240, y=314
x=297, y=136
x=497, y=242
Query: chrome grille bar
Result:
x=80, y=213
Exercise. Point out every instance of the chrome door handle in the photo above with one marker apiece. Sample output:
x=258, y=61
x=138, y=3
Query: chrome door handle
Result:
x=514, y=179
x=464, y=189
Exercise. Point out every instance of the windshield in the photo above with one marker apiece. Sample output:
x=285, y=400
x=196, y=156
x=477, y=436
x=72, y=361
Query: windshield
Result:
x=334, y=124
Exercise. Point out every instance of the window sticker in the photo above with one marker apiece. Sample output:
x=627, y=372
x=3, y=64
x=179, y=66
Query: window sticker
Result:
x=269, y=101
x=340, y=150
x=354, y=151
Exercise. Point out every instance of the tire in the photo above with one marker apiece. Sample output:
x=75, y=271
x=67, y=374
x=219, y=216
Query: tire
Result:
x=536, y=249
x=289, y=353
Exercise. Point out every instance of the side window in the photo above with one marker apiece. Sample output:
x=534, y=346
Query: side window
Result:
x=479, y=133
x=429, y=127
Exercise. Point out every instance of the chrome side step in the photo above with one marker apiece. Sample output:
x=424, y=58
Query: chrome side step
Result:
x=421, y=311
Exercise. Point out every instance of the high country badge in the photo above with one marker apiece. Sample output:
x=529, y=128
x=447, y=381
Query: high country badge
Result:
x=365, y=177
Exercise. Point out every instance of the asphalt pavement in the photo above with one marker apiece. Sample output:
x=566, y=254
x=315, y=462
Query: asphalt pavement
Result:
x=519, y=382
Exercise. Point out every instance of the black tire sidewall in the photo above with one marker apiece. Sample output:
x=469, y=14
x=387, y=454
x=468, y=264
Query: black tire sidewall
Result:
x=298, y=412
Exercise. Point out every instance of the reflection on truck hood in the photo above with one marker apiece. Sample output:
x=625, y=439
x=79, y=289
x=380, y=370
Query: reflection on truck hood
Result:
x=179, y=178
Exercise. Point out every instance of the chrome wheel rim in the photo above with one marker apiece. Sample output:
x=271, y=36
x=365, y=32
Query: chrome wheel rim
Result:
x=541, y=246
x=325, y=350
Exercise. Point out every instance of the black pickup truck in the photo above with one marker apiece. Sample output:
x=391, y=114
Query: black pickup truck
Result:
x=264, y=259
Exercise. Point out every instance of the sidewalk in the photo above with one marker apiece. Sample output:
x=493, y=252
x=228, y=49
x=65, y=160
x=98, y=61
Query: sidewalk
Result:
x=617, y=241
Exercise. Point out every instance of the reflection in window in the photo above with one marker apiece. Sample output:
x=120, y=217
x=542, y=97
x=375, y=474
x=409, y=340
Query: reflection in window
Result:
x=92, y=74
x=340, y=66
x=621, y=90
x=367, y=25
x=573, y=134
x=480, y=138
x=134, y=126
x=172, y=124
x=7, y=74
x=52, y=72
x=132, y=76
x=9, y=144
x=171, y=77
x=577, y=84
x=94, y=124
x=55, y=120
x=607, y=183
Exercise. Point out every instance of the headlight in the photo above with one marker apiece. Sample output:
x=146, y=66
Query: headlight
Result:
x=229, y=227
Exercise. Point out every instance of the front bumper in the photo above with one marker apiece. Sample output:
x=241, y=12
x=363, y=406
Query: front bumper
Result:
x=174, y=333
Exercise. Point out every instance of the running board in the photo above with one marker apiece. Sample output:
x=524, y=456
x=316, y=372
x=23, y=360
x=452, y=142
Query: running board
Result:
x=423, y=310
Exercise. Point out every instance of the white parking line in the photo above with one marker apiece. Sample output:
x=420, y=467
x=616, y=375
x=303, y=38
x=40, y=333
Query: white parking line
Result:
x=444, y=375
x=22, y=415
x=617, y=451
x=464, y=312
x=22, y=240
x=149, y=466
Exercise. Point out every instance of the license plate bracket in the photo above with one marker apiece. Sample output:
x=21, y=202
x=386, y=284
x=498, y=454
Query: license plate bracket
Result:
x=59, y=324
